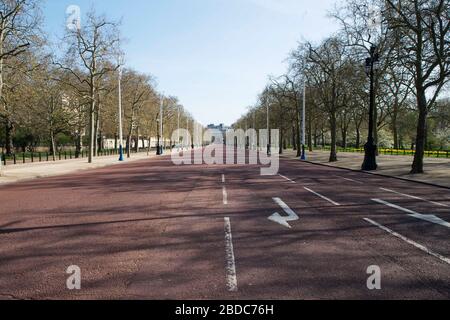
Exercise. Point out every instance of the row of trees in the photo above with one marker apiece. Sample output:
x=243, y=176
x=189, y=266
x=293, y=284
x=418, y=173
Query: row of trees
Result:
x=412, y=38
x=71, y=98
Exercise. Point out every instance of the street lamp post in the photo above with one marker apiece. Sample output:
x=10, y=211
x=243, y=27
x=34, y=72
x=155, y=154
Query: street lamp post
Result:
x=268, y=131
x=303, y=157
x=370, y=158
x=178, y=125
x=160, y=135
x=120, y=116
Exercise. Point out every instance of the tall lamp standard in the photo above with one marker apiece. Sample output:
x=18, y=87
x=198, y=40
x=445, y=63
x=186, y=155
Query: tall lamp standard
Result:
x=120, y=115
x=160, y=122
x=178, y=126
x=370, y=158
x=269, y=151
x=303, y=157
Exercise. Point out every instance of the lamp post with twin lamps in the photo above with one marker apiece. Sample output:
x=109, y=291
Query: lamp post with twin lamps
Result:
x=370, y=158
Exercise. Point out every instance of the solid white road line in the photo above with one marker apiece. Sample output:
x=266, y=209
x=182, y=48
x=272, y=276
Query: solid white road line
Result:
x=415, y=197
x=286, y=178
x=225, y=195
x=323, y=197
x=426, y=217
x=229, y=253
x=415, y=244
x=223, y=178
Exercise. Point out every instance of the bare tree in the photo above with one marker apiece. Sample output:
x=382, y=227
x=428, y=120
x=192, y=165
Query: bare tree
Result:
x=424, y=27
x=19, y=21
x=91, y=49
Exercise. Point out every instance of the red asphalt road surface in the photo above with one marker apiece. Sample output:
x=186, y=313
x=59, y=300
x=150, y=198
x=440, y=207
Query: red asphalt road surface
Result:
x=154, y=230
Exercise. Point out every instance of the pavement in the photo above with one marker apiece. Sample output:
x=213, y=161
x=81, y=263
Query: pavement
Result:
x=152, y=230
x=28, y=171
x=437, y=170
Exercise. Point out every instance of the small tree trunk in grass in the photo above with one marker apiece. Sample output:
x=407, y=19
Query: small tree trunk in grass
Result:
x=333, y=152
x=53, y=146
x=9, y=128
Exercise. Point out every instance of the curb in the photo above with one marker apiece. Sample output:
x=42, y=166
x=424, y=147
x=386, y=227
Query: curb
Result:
x=373, y=173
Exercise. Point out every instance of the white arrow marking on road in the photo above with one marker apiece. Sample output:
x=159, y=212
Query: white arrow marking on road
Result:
x=426, y=217
x=276, y=217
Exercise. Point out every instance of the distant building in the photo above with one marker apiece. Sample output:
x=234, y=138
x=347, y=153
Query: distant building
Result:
x=218, y=131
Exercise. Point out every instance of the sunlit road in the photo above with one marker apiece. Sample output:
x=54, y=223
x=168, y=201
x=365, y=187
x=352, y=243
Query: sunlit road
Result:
x=153, y=230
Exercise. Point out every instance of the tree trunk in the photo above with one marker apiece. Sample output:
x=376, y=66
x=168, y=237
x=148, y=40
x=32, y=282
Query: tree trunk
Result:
x=281, y=141
x=294, y=140
x=297, y=125
x=333, y=152
x=91, y=122
x=358, y=137
x=136, y=147
x=395, y=125
x=316, y=137
x=78, y=146
x=310, y=129
x=417, y=166
x=53, y=145
x=344, y=137
x=129, y=146
x=9, y=128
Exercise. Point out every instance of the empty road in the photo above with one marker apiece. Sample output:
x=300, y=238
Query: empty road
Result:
x=153, y=230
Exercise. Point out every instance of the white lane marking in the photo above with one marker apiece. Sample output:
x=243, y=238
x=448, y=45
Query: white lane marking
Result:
x=286, y=178
x=415, y=244
x=231, y=264
x=415, y=197
x=426, y=217
x=223, y=178
x=225, y=195
x=323, y=197
x=351, y=180
x=276, y=217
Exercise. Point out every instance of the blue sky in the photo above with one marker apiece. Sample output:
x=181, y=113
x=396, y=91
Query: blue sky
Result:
x=215, y=55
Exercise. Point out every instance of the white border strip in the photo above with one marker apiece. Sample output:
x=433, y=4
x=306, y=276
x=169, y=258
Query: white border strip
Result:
x=411, y=242
x=415, y=197
x=323, y=197
x=230, y=261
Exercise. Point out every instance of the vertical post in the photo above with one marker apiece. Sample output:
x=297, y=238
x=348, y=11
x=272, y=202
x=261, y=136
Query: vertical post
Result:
x=304, y=122
x=268, y=131
x=159, y=145
x=370, y=148
x=178, y=125
x=120, y=116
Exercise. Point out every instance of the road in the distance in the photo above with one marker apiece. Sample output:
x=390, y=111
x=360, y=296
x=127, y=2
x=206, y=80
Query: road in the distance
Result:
x=153, y=230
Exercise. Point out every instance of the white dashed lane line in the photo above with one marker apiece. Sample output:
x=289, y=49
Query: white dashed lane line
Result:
x=414, y=197
x=286, y=178
x=224, y=191
x=322, y=196
x=411, y=242
x=231, y=278
x=426, y=217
